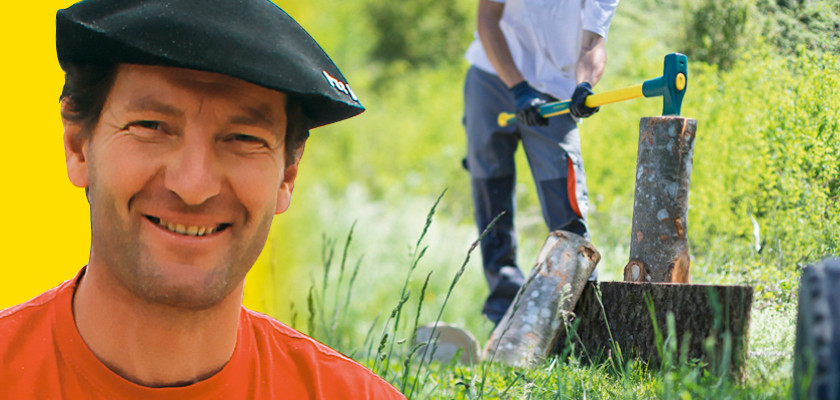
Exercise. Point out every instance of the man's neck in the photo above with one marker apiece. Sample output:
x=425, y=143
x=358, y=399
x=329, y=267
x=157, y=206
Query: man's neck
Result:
x=151, y=344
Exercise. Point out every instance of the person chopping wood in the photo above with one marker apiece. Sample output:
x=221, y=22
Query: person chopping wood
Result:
x=528, y=53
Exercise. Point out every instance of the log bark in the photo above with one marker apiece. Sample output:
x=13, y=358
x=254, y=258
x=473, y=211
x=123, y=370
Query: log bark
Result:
x=529, y=329
x=659, y=244
x=710, y=322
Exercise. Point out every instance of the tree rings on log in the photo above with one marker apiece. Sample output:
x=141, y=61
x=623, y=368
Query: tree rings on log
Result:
x=529, y=328
x=663, y=322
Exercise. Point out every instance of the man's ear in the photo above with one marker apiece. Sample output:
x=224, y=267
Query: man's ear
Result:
x=284, y=193
x=75, y=149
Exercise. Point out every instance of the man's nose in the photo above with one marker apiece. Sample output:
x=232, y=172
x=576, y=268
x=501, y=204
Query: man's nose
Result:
x=193, y=172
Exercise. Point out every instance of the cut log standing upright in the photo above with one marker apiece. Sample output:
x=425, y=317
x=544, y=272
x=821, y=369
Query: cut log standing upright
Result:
x=659, y=243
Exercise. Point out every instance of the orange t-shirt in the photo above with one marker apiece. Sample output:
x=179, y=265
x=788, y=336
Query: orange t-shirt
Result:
x=42, y=356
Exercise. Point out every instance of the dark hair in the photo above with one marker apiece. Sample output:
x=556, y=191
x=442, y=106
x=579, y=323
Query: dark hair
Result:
x=86, y=87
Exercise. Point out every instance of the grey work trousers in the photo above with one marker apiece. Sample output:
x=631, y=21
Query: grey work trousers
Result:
x=553, y=153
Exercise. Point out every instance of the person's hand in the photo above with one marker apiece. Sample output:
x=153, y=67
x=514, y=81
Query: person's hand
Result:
x=528, y=101
x=578, y=106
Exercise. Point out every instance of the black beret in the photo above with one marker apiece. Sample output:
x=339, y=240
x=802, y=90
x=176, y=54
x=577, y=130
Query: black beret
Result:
x=253, y=40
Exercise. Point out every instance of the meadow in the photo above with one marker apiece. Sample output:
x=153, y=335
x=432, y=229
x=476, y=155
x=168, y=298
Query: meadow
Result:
x=365, y=260
x=379, y=235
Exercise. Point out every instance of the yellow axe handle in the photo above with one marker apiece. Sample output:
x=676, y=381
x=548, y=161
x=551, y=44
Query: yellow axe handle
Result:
x=614, y=96
x=594, y=100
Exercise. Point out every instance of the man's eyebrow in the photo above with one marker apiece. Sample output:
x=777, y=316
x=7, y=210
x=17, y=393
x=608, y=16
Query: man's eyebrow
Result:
x=259, y=115
x=148, y=103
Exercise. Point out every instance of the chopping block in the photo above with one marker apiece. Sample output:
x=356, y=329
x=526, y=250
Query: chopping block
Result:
x=655, y=315
x=660, y=323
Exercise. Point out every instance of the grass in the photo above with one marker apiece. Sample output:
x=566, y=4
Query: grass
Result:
x=425, y=293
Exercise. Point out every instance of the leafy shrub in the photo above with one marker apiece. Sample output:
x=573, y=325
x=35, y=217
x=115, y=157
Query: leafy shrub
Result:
x=789, y=24
x=719, y=31
x=716, y=30
x=767, y=149
x=418, y=33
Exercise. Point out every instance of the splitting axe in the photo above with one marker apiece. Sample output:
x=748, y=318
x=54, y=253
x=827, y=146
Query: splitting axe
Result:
x=671, y=86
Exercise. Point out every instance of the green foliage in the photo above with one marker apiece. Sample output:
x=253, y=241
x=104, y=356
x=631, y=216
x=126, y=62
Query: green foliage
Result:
x=419, y=33
x=790, y=24
x=716, y=30
x=408, y=143
x=767, y=150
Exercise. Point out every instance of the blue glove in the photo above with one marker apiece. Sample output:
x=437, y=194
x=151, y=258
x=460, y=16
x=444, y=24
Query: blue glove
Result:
x=528, y=101
x=578, y=106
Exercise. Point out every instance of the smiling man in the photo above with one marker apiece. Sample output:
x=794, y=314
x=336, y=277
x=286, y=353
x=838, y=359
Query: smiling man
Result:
x=185, y=122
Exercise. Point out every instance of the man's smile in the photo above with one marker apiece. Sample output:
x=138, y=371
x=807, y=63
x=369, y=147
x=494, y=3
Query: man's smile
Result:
x=188, y=230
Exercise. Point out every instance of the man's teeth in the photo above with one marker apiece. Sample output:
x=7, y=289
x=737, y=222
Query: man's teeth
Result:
x=187, y=230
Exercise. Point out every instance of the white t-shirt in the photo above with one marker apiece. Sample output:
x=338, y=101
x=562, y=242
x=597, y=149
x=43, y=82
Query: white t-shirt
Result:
x=544, y=39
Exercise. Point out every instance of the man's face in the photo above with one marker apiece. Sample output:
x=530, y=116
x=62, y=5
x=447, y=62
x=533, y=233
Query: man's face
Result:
x=185, y=170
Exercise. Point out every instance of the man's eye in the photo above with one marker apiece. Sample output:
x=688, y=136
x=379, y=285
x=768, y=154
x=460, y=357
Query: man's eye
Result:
x=145, y=124
x=242, y=138
x=146, y=130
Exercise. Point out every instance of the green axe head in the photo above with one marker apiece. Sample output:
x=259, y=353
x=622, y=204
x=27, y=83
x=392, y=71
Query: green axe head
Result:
x=671, y=85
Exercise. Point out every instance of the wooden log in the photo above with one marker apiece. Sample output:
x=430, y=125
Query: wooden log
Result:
x=529, y=328
x=659, y=245
x=710, y=322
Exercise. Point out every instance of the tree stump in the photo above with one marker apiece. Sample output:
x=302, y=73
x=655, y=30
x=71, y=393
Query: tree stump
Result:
x=659, y=244
x=655, y=316
x=528, y=331
x=709, y=322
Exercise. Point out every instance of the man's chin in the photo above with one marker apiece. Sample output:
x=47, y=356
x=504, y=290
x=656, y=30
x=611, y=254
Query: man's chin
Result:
x=185, y=297
x=183, y=286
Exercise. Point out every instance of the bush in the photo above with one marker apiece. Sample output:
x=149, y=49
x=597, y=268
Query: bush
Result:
x=716, y=30
x=719, y=31
x=789, y=24
x=418, y=33
x=767, y=169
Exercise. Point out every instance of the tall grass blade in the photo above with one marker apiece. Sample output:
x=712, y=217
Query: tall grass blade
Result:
x=413, y=343
x=335, y=316
x=455, y=280
x=417, y=254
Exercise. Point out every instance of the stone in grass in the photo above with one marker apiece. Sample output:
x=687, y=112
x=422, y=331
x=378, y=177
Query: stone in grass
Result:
x=448, y=341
